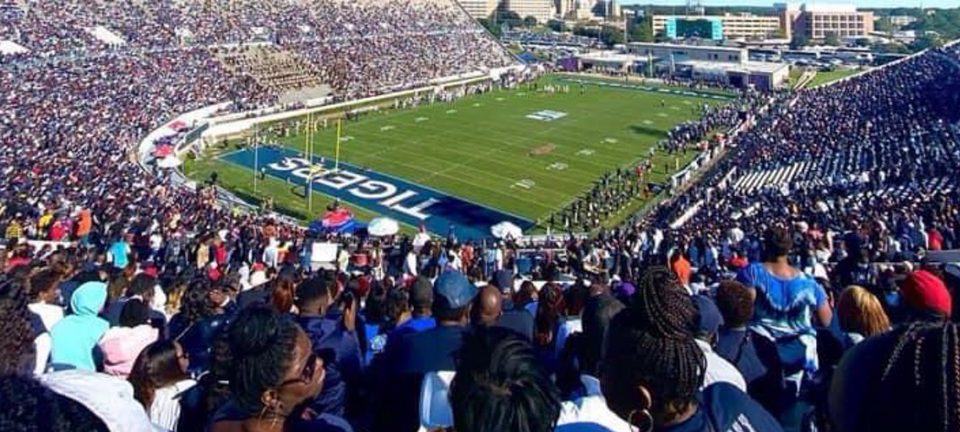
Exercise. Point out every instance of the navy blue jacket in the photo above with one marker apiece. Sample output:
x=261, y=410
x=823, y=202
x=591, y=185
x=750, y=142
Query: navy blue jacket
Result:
x=343, y=363
x=400, y=371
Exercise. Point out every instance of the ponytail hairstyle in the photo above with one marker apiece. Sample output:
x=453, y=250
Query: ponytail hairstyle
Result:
x=157, y=366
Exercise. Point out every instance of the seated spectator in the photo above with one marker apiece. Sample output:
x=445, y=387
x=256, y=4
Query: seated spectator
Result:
x=653, y=369
x=121, y=345
x=161, y=384
x=75, y=336
x=501, y=386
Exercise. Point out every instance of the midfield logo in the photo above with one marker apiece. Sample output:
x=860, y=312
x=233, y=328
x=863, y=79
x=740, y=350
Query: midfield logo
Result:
x=547, y=115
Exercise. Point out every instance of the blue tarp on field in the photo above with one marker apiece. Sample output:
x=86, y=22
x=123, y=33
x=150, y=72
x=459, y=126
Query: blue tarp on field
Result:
x=380, y=193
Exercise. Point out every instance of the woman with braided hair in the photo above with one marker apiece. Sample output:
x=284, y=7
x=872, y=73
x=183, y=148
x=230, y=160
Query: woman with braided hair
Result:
x=904, y=380
x=652, y=368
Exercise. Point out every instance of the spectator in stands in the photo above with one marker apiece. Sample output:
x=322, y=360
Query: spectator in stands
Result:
x=515, y=317
x=926, y=296
x=18, y=354
x=421, y=302
x=161, y=384
x=488, y=309
x=653, y=369
x=912, y=369
x=45, y=293
x=500, y=385
x=76, y=335
x=334, y=341
x=786, y=301
x=597, y=313
x=735, y=341
x=706, y=326
x=275, y=374
x=860, y=314
x=408, y=357
x=121, y=345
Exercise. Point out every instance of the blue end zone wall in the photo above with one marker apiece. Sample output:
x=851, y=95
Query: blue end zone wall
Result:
x=382, y=194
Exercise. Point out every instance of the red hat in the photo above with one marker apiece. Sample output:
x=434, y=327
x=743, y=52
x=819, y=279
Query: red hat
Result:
x=925, y=291
x=150, y=271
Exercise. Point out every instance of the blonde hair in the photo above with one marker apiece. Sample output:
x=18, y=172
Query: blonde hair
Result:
x=860, y=312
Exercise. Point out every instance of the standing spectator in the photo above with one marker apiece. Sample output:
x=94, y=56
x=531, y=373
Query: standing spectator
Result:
x=121, y=345
x=860, y=314
x=334, y=341
x=706, y=326
x=904, y=380
x=275, y=371
x=493, y=360
x=45, y=291
x=76, y=335
x=407, y=358
x=653, y=368
x=161, y=384
x=786, y=301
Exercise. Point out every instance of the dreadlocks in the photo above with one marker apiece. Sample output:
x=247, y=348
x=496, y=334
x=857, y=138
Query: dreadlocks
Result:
x=650, y=344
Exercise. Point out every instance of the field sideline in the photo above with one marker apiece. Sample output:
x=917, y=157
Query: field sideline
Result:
x=525, y=152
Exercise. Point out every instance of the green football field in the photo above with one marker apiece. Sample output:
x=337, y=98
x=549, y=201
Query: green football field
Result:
x=521, y=151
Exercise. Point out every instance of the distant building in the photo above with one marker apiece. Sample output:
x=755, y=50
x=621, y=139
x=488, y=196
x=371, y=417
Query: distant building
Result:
x=678, y=52
x=707, y=63
x=542, y=10
x=817, y=21
x=900, y=20
x=480, y=8
x=727, y=26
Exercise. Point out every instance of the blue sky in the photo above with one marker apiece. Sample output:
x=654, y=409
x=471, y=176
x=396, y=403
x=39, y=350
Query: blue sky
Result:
x=860, y=3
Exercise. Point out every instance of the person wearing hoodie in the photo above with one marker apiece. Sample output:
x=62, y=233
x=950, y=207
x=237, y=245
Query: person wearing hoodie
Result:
x=121, y=345
x=75, y=336
x=335, y=341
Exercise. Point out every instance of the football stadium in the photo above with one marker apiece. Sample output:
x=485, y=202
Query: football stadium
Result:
x=522, y=154
x=390, y=216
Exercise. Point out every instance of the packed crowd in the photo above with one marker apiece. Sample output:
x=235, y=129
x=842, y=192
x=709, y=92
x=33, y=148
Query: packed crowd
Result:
x=881, y=150
x=355, y=48
x=241, y=332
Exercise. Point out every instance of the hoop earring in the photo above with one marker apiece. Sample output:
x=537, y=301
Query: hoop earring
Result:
x=645, y=416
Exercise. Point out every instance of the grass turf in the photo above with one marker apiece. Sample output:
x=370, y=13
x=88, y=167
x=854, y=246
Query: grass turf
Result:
x=481, y=147
x=827, y=77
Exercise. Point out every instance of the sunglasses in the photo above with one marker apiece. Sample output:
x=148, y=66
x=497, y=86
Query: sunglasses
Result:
x=306, y=374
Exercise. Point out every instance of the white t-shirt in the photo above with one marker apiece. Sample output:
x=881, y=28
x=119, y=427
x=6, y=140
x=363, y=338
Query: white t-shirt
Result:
x=49, y=314
x=719, y=369
x=165, y=409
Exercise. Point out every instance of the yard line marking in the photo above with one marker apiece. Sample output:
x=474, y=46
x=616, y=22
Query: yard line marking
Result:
x=611, y=140
x=421, y=119
x=451, y=111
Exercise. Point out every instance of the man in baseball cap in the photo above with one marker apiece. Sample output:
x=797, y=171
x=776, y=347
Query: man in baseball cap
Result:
x=408, y=356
